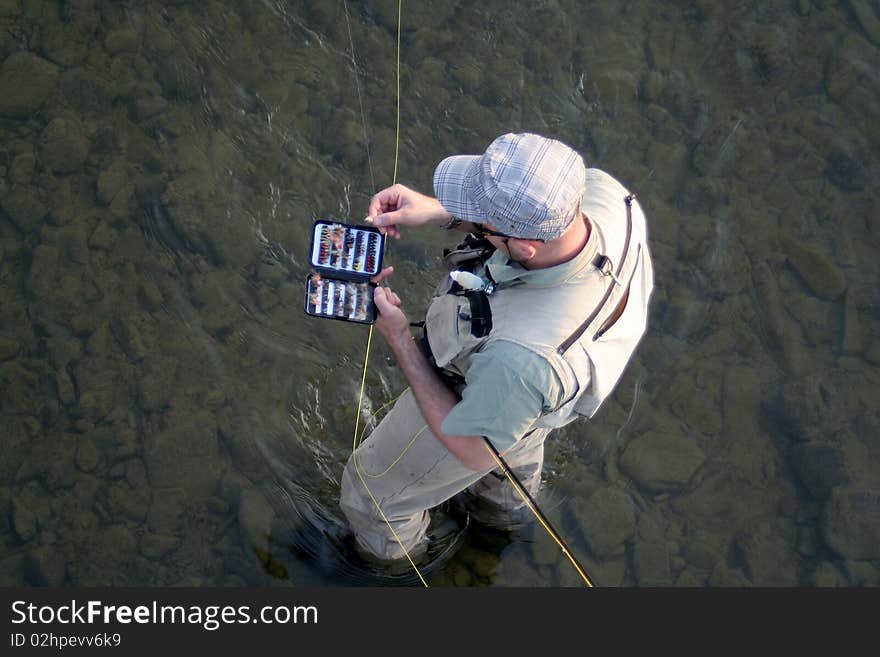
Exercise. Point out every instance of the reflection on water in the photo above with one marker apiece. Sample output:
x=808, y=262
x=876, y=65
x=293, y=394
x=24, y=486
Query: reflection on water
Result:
x=169, y=415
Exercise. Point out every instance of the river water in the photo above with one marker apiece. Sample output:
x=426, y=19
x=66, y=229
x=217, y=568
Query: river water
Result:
x=170, y=416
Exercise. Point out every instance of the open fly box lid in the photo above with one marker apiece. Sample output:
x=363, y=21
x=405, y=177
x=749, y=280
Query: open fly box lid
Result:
x=345, y=257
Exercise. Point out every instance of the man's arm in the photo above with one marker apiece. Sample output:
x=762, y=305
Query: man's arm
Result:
x=434, y=399
x=399, y=205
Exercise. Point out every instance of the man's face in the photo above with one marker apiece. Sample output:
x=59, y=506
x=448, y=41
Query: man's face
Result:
x=516, y=249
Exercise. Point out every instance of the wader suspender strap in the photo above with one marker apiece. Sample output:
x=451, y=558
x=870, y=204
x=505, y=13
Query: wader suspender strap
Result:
x=574, y=337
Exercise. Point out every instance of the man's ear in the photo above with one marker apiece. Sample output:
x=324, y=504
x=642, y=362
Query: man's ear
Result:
x=525, y=250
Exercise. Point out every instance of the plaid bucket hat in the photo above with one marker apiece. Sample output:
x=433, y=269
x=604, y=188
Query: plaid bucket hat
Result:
x=525, y=185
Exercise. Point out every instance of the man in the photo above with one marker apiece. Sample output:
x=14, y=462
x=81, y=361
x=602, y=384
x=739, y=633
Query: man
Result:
x=564, y=277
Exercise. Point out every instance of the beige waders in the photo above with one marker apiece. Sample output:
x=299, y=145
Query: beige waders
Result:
x=404, y=469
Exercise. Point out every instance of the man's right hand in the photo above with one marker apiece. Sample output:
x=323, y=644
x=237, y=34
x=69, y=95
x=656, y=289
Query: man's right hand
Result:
x=399, y=205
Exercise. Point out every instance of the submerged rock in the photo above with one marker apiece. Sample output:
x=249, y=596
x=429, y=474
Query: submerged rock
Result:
x=777, y=327
x=766, y=556
x=481, y=563
x=255, y=517
x=545, y=551
x=9, y=8
x=851, y=343
x=29, y=511
x=46, y=566
x=22, y=170
x=867, y=19
x=851, y=525
x=824, y=279
x=63, y=147
x=862, y=573
x=692, y=577
x=24, y=208
x=111, y=181
x=122, y=40
x=721, y=501
x=816, y=317
x=5, y=509
x=8, y=348
x=185, y=456
x=651, y=563
x=607, y=520
x=803, y=406
x=108, y=557
x=25, y=83
x=723, y=575
x=156, y=383
x=820, y=466
x=156, y=546
x=828, y=574
x=87, y=456
x=150, y=295
x=103, y=237
x=12, y=569
x=662, y=463
x=166, y=508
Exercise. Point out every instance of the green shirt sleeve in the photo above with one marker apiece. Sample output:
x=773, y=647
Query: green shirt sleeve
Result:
x=507, y=387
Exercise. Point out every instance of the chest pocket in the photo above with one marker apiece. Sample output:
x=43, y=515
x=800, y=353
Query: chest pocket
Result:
x=455, y=324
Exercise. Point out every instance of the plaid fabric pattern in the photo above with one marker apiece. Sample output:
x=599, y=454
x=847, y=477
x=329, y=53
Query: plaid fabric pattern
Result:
x=524, y=185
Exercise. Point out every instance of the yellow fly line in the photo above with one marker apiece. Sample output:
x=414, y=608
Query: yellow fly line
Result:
x=501, y=464
x=403, y=451
x=357, y=467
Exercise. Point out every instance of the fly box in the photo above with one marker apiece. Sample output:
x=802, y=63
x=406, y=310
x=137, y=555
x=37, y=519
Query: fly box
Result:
x=344, y=258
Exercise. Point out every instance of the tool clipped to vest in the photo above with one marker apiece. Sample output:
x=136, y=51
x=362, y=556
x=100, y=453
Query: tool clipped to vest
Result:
x=603, y=264
x=473, y=288
x=469, y=253
x=466, y=279
x=480, y=313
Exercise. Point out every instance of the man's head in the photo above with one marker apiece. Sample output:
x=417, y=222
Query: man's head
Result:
x=524, y=185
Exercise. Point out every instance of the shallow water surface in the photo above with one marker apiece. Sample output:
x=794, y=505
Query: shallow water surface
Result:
x=170, y=416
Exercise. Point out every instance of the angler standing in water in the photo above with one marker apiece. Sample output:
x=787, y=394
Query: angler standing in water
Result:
x=532, y=330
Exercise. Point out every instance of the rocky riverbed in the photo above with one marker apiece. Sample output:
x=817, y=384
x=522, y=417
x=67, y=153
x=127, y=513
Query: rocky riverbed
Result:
x=161, y=389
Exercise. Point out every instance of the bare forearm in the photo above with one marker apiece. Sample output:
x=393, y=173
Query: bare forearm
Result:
x=435, y=401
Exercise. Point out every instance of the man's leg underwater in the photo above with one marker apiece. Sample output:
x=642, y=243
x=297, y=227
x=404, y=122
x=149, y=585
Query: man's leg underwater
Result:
x=404, y=469
x=493, y=500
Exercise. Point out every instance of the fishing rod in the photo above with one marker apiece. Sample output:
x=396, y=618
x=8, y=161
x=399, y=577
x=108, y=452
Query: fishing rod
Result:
x=536, y=510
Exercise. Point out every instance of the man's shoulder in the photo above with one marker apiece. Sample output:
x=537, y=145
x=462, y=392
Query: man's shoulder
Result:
x=600, y=178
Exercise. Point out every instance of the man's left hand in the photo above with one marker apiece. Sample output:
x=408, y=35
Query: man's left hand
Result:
x=391, y=320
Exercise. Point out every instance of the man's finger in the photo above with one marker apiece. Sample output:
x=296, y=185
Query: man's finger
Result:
x=374, y=208
x=389, y=230
x=382, y=201
x=389, y=297
x=380, y=298
x=382, y=275
x=389, y=219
